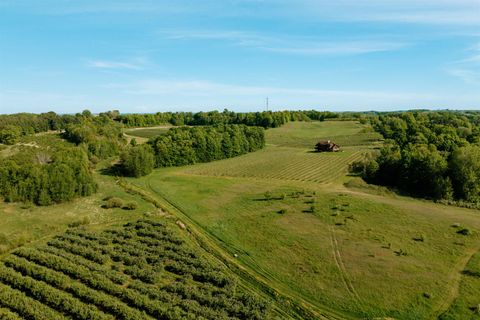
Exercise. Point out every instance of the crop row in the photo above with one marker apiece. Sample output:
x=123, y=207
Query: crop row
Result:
x=297, y=165
x=54, y=298
x=131, y=297
x=24, y=306
x=145, y=270
x=82, y=292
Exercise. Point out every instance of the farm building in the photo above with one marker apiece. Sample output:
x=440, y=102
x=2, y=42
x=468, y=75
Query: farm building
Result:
x=327, y=146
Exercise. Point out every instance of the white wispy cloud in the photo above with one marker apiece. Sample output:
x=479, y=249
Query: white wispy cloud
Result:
x=466, y=75
x=208, y=88
x=106, y=64
x=287, y=44
x=467, y=69
x=203, y=95
x=436, y=12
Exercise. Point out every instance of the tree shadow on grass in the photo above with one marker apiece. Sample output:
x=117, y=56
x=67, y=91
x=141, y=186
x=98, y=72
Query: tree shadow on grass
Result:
x=114, y=171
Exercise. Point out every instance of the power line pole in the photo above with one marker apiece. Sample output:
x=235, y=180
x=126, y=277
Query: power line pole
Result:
x=267, y=103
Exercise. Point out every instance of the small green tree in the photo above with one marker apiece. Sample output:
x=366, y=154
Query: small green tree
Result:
x=137, y=161
x=114, y=203
x=131, y=205
x=9, y=135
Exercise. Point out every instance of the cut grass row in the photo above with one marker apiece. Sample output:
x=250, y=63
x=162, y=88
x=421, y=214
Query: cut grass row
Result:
x=306, y=134
x=282, y=164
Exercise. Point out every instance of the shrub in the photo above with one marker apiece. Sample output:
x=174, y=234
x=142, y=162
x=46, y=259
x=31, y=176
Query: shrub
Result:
x=77, y=223
x=114, y=203
x=464, y=231
x=283, y=211
x=420, y=238
x=132, y=205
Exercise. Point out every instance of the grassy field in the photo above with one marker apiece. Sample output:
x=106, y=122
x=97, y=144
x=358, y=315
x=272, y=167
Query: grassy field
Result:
x=466, y=304
x=306, y=134
x=148, y=132
x=282, y=163
x=285, y=214
x=281, y=219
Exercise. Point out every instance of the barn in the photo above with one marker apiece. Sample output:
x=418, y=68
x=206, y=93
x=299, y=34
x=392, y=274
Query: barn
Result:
x=327, y=146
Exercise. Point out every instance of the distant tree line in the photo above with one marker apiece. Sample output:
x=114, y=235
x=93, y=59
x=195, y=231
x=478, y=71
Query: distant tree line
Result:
x=14, y=126
x=266, y=119
x=427, y=154
x=188, y=145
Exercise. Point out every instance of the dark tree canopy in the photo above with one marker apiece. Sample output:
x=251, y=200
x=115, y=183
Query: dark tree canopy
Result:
x=66, y=174
x=427, y=154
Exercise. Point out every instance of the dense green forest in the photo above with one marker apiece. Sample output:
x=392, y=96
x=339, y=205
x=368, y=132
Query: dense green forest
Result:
x=427, y=154
x=46, y=177
x=54, y=170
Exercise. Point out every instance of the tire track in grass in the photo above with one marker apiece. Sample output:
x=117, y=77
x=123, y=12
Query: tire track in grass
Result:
x=343, y=271
x=454, y=280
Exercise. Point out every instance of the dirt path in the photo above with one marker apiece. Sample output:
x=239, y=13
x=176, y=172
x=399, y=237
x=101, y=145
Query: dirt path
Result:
x=453, y=284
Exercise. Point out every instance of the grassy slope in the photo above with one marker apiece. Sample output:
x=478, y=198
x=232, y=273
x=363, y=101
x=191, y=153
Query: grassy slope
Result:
x=466, y=304
x=343, y=256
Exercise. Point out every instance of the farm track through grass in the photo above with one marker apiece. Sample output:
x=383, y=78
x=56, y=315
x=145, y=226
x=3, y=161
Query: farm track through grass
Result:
x=292, y=251
x=254, y=275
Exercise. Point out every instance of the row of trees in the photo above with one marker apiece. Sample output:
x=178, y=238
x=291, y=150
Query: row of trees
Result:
x=188, y=145
x=14, y=126
x=427, y=154
x=266, y=119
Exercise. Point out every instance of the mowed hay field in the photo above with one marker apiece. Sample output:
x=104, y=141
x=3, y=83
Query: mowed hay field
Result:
x=342, y=252
x=289, y=153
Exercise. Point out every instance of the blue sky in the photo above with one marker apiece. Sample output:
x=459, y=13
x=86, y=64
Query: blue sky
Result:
x=148, y=56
